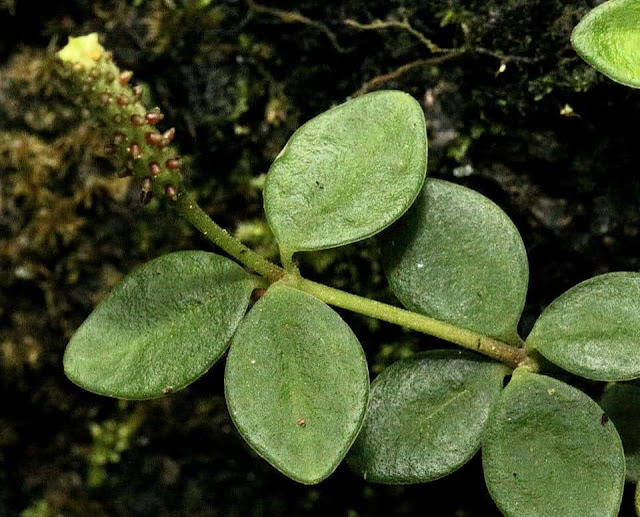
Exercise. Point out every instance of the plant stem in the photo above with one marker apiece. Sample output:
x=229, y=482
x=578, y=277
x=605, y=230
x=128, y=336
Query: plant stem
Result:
x=493, y=348
x=189, y=209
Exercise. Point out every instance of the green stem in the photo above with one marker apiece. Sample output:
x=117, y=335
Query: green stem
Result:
x=189, y=209
x=286, y=258
x=493, y=348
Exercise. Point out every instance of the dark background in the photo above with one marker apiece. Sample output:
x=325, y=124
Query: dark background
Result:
x=549, y=139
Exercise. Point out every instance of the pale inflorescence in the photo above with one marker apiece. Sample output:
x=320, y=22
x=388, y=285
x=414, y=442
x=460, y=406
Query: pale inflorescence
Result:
x=111, y=101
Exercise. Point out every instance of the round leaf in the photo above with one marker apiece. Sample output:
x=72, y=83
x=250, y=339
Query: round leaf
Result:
x=621, y=402
x=347, y=173
x=593, y=330
x=297, y=384
x=161, y=328
x=457, y=257
x=548, y=451
x=425, y=417
x=608, y=38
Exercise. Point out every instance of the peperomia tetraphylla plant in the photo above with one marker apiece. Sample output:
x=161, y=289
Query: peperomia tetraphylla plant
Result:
x=296, y=378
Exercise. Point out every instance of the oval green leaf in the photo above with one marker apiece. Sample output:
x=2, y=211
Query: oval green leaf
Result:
x=621, y=403
x=608, y=38
x=457, y=257
x=548, y=451
x=347, y=173
x=426, y=416
x=297, y=384
x=593, y=330
x=161, y=328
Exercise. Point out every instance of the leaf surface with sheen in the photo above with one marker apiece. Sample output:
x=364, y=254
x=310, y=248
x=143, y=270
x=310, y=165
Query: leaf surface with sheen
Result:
x=347, y=173
x=548, y=451
x=593, y=330
x=426, y=416
x=161, y=328
x=457, y=257
x=608, y=38
x=621, y=402
x=297, y=383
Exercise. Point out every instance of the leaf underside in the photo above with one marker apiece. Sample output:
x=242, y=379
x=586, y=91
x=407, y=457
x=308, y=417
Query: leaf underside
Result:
x=161, y=328
x=456, y=256
x=297, y=383
x=593, y=330
x=621, y=402
x=547, y=450
x=425, y=418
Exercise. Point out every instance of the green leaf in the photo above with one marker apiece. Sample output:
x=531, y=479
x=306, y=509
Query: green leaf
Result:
x=161, y=328
x=347, y=173
x=457, y=257
x=608, y=38
x=548, y=451
x=426, y=416
x=621, y=402
x=593, y=330
x=297, y=384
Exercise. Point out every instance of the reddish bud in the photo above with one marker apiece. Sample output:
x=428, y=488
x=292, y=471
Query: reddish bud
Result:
x=125, y=77
x=173, y=164
x=169, y=134
x=123, y=100
x=154, y=169
x=137, y=120
x=171, y=192
x=153, y=117
x=154, y=139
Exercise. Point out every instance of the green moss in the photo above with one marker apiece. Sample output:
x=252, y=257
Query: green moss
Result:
x=40, y=508
x=111, y=439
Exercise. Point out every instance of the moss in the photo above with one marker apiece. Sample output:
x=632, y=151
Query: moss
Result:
x=40, y=508
x=111, y=439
